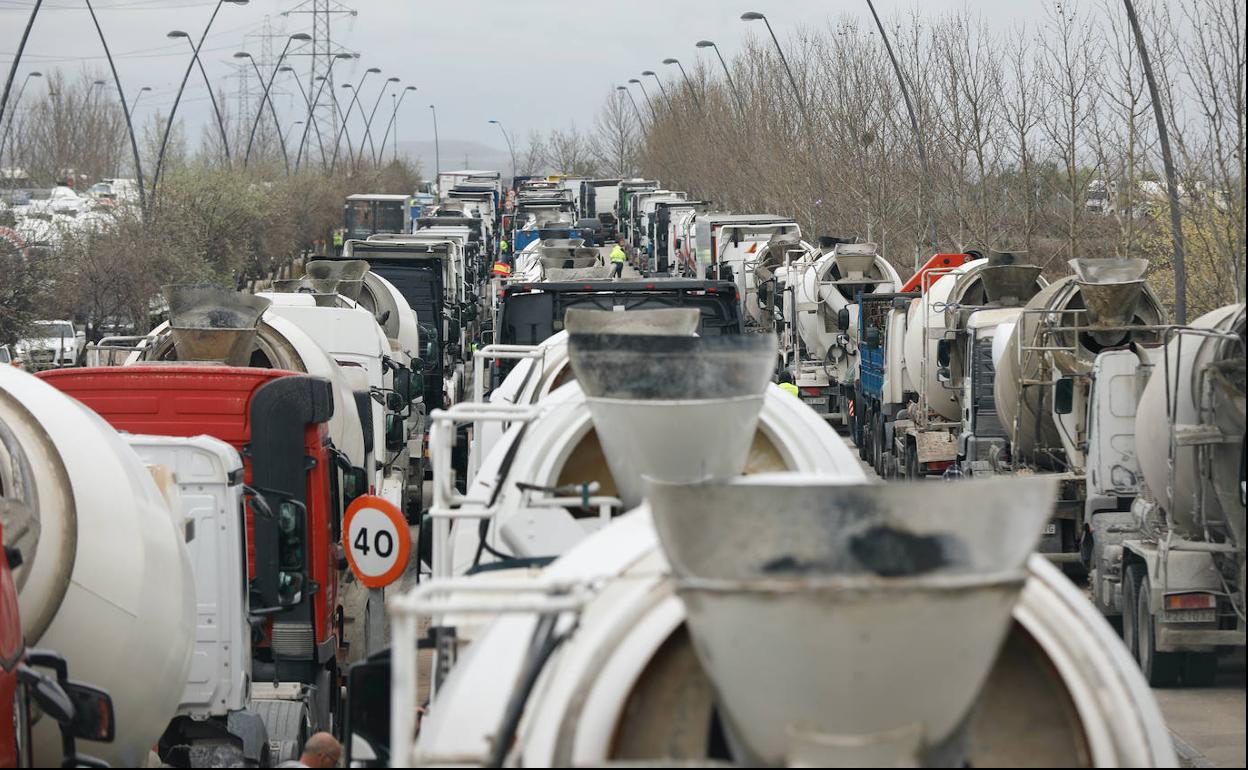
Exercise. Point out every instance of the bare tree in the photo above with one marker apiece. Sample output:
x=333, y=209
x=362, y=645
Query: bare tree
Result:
x=615, y=141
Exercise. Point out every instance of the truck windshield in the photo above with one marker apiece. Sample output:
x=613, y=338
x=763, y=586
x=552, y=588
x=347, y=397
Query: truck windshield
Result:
x=363, y=218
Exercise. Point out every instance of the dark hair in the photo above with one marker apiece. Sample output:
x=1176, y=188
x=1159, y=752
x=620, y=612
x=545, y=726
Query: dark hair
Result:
x=786, y=376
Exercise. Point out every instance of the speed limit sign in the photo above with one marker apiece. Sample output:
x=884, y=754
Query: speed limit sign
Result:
x=375, y=537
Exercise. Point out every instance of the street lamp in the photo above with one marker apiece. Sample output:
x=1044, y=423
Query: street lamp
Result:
x=662, y=90
x=640, y=122
x=688, y=83
x=173, y=112
x=510, y=148
x=355, y=97
x=316, y=100
x=394, y=122
x=649, y=103
x=16, y=101
x=368, y=124
x=135, y=103
x=727, y=74
x=307, y=101
x=437, y=151
x=755, y=16
x=212, y=94
x=300, y=37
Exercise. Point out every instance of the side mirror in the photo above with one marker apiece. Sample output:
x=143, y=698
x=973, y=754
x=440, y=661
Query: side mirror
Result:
x=93, y=712
x=842, y=319
x=354, y=482
x=942, y=353
x=50, y=696
x=1064, y=396
x=942, y=373
x=367, y=723
x=396, y=437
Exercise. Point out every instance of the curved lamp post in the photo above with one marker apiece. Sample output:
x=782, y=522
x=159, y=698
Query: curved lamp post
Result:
x=121, y=96
x=135, y=104
x=17, y=59
x=394, y=123
x=736, y=94
x=662, y=90
x=307, y=101
x=688, y=83
x=16, y=101
x=637, y=111
x=755, y=16
x=355, y=97
x=301, y=38
x=173, y=112
x=315, y=100
x=225, y=139
x=437, y=150
x=510, y=148
x=649, y=104
x=368, y=124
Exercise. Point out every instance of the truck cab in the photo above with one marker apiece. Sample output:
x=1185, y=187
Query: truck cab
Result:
x=367, y=213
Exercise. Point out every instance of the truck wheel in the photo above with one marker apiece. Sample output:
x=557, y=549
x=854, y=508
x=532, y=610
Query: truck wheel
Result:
x=1131, y=579
x=1200, y=669
x=1161, y=669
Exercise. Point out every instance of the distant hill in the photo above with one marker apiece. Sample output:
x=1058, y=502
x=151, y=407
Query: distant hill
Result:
x=453, y=153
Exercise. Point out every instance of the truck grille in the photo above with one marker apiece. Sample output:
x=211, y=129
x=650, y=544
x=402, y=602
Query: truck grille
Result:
x=293, y=640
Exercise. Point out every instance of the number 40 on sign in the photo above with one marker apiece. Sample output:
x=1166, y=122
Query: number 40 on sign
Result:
x=375, y=537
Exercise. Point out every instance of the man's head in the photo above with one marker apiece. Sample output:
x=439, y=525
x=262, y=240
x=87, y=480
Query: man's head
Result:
x=321, y=750
x=786, y=376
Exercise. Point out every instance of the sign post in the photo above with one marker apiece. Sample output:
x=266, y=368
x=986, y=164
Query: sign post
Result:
x=378, y=546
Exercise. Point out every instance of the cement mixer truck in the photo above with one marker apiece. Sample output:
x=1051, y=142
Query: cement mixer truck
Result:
x=1165, y=539
x=1078, y=331
x=631, y=638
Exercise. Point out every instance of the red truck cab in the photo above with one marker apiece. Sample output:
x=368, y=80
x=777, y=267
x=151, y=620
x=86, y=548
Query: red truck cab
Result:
x=299, y=486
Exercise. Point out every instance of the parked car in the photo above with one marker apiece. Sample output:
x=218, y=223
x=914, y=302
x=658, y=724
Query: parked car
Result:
x=51, y=344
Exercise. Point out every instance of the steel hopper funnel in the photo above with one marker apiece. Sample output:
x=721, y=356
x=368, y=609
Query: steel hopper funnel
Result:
x=1111, y=289
x=681, y=408
x=1007, y=282
x=211, y=323
x=855, y=259
x=676, y=322
x=349, y=273
x=848, y=625
x=323, y=290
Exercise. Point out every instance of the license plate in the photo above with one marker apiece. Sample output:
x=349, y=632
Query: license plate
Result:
x=1189, y=616
x=1050, y=528
x=816, y=403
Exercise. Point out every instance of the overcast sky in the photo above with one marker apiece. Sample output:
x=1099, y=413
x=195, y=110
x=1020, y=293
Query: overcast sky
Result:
x=532, y=64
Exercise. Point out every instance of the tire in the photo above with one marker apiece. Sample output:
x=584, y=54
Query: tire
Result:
x=1200, y=669
x=1161, y=669
x=1131, y=579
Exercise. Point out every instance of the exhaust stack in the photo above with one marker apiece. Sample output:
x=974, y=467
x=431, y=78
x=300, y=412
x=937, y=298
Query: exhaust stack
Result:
x=679, y=408
x=349, y=273
x=671, y=322
x=855, y=259
x=848, y=625
x=210, y=323
x=1007, y=282
x=1111, y=289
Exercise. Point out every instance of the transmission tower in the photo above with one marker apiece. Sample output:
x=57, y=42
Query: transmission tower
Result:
x=322, y=52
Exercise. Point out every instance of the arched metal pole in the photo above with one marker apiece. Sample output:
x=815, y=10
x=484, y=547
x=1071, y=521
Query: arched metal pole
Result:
x=216, y=109
x=930, y=225
x=510, y=148
x=662, y=90
x=368, y=124
x=649, y=104
x=345, y=131
x=265, y=98
x=636, y=110
x=312, y=106
x=727, y=73
x=17, y=58
x=355, y=97
x=437, y=149
x=173, y=112
x=1172, y=176
x=307, y=100
x=394, y=117
x=16, y=101
x=121, y=95
x=272, y=110
x=697, y=100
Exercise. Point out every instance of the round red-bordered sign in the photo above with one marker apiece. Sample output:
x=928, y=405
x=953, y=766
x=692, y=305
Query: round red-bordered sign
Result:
x=376, y=539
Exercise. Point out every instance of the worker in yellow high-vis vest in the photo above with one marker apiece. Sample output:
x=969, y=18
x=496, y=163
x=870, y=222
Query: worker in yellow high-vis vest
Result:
x=786, y=383
x=618, y=258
